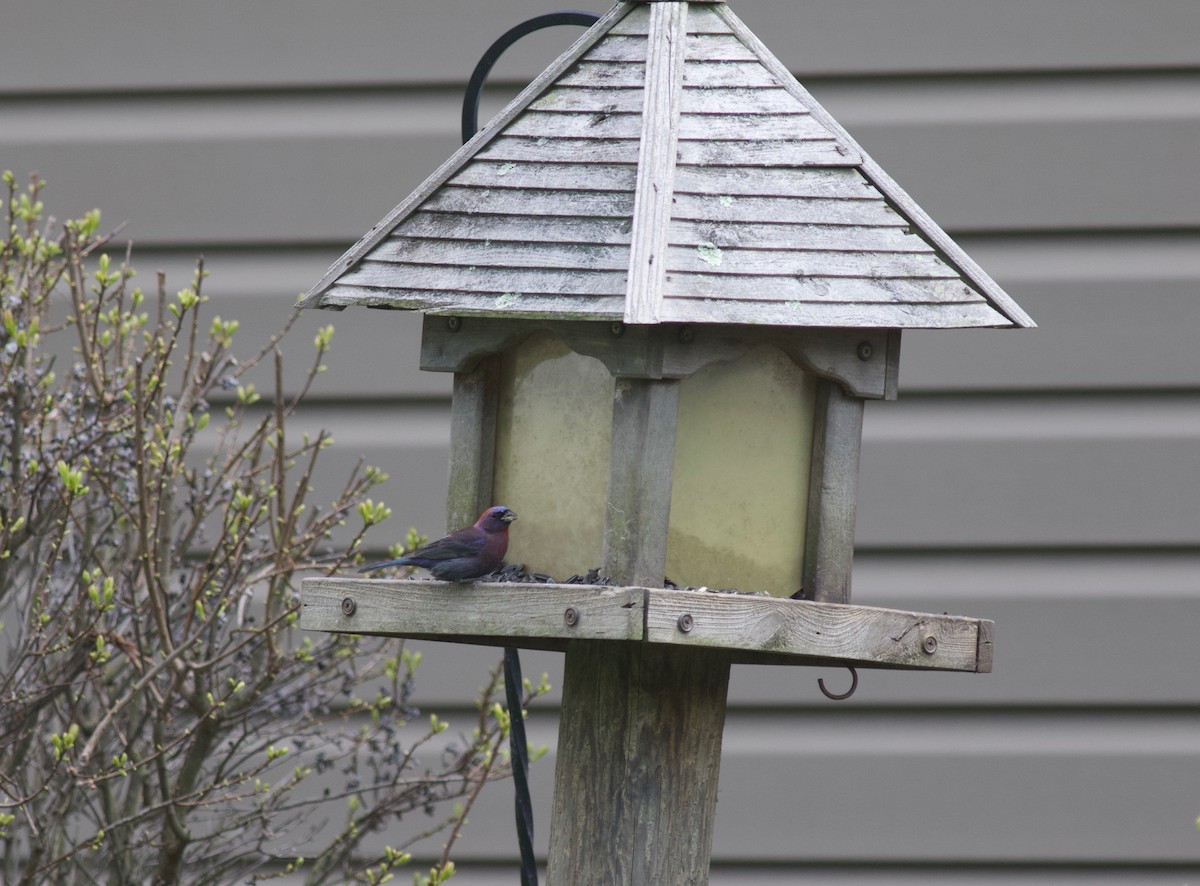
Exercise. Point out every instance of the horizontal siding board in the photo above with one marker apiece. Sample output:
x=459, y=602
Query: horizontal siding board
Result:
x=979, y=156
x=872, y=789
x=1046, y=472
x=308, y=42
x=860, y=792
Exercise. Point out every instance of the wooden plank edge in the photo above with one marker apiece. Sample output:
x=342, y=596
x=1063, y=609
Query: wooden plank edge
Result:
x=446, y=610
x=750, y=629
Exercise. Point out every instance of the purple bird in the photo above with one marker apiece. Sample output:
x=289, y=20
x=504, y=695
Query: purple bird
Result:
x=464, y=554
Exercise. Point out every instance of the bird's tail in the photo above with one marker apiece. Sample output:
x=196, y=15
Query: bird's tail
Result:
x=401, y=562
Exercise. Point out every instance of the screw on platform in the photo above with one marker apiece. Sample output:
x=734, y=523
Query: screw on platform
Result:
x=349, y=607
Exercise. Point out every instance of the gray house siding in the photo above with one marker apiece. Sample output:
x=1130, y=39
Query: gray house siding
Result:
x=1047, y=479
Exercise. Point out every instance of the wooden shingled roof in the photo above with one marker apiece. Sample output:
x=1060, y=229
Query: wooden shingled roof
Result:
x=667, y=168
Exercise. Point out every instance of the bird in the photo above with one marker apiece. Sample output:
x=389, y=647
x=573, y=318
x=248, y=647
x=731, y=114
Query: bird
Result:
x=465, y=554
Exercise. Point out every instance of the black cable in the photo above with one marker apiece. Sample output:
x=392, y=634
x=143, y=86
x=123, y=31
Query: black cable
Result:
x=470, y=111
x=514, y=685
x=519, y=754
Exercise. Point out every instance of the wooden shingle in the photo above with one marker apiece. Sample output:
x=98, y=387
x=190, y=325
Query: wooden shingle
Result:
x=667, y=168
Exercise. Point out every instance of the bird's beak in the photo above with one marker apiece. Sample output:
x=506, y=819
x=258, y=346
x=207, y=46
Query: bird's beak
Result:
x=509, y=517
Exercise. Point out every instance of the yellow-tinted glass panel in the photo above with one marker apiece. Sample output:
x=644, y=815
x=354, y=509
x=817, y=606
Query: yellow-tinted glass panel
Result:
x=554, y=430
x=740, y=487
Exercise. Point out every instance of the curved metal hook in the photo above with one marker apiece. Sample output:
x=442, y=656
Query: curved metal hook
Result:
x=833, y=696
x=470, y=112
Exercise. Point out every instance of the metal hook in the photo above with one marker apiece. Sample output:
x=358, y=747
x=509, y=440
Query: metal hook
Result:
x=470, y=111
x=833, y=696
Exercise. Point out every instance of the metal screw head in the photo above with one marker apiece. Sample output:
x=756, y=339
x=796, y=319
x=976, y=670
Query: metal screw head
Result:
x=453, y=324
x=866, y=350
x=929, y=645
x=617, y=329
x=571, y=617
x=687, y=334
x=685, y=623
x=349, y=607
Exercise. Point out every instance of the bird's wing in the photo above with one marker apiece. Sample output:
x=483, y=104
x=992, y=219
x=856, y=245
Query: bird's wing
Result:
x=463, y=543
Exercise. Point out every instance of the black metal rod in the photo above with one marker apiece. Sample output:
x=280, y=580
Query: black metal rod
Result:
x=470, y=111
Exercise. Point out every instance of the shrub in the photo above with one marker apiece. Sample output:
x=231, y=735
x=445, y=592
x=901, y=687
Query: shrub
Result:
x=162, y=713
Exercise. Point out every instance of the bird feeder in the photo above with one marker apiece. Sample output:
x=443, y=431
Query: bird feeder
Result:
x=666, y=281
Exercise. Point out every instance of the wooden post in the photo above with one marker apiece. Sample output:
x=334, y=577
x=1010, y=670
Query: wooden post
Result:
x=639, y=752
x=472, y=443
x=639, y=748
x=639, y=483
x=832, y=489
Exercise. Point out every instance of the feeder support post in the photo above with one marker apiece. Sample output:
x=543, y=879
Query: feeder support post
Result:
x=639, y=744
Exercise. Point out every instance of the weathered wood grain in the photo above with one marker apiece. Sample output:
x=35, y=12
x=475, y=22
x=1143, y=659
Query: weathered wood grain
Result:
x=793, y=123
x=472, y=444
x=772, y=181
x=638, y=508
x=465, y=611
x=804, y=238
x=853, y=313
x=787, y=210
x=832, y=494
x=639, y=751
x=491, y=254
x=513, y=282
x=468, y=304
x=661, y=352
x=590, y=99
x=750, y=629
x=865, y=291
x=1000, y=299
x=526, y=202
x=742, y=75
x=801, y=152
x=656, y=163
x=738, y=100
x=461, y=156
x=525, y=228
x=719, y=259
x=852, y=634
x=547, y=176
x=713, y=46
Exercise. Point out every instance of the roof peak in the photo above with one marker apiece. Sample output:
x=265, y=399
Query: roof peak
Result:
x=668, y=168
